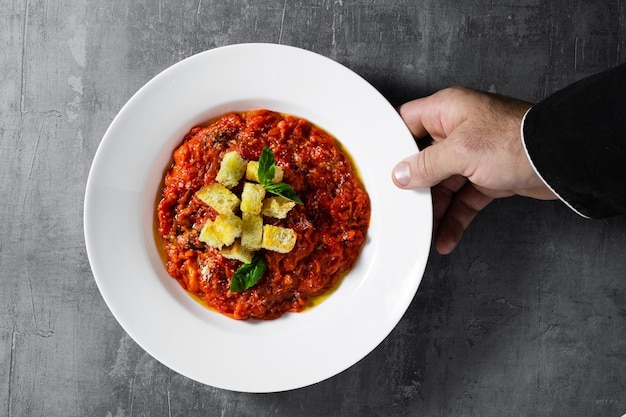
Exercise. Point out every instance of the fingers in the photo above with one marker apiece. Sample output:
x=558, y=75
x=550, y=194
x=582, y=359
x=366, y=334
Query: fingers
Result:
x=413, y=113
x=438, y=114
x=443, y=195
x=430, y=166
x=463, y=208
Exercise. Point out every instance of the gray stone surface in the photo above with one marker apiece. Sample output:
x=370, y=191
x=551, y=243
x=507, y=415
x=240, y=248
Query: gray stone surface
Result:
x=526, y=318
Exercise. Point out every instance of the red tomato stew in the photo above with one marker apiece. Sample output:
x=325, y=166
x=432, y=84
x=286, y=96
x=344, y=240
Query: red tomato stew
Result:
x=330, y=226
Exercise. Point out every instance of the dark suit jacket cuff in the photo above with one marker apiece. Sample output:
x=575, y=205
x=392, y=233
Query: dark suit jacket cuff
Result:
x=576, y=141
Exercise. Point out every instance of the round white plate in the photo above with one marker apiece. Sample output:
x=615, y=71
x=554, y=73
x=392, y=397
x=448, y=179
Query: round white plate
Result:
x=298, y=349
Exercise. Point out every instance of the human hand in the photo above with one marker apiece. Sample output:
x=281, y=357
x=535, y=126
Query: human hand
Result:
x=477, y=155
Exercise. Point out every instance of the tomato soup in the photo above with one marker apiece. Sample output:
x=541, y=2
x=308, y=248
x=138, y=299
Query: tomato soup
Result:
x=331, y=224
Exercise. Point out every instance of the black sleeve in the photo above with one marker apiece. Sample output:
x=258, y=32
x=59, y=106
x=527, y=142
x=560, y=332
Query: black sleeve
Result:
x=576, y=140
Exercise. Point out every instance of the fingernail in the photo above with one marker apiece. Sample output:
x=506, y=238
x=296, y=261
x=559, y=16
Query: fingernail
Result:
x=402, y=174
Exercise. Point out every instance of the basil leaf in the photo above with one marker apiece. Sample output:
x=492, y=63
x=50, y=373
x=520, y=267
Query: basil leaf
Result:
x=266, y=172
x=267, y=168
x=248, y=275
x=284, y=190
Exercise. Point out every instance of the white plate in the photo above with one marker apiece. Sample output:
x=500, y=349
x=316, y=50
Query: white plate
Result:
x=298, y=349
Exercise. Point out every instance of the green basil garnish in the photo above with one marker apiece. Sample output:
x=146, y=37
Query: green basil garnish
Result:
x=248, y=275
x=267, y=169
x=283, y=190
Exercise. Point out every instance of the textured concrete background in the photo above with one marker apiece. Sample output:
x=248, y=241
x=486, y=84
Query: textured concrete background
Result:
x=526, y=318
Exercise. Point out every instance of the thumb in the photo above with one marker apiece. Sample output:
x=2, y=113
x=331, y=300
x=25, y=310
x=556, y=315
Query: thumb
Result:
x=427, y=167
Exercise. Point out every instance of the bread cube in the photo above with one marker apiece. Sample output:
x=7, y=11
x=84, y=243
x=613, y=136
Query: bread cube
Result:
x=221, y=232
x=252, y=172
x=209, y=235
x=228, y=227
x=252, y=198
x=278, y=239
x=232, y=169
x=251, y=231
x=237, y=252
x=219, y=197
x=277, y=207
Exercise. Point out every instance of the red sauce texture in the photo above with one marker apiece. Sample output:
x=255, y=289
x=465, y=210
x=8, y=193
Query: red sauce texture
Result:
x=331, y=225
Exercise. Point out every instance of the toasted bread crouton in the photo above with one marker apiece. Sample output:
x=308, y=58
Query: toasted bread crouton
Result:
x=232, y=168
x=277, y=207
x=219, y=197
x=278, y=239
x=252, y=198
x=252, y=172
x=221, y=232
x=209, y=236
x=251, y=231
x=237, y=252
x=228, y=227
